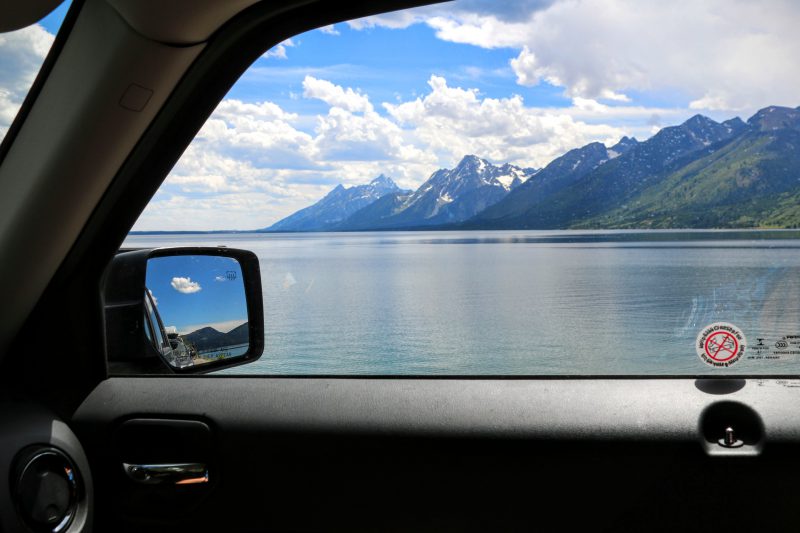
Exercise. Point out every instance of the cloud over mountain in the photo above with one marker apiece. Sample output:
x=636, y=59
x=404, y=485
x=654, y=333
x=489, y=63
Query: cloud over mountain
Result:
x=637, y=66
x=251, y=154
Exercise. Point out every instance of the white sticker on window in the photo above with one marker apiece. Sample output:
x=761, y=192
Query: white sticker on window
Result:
x=720, y=344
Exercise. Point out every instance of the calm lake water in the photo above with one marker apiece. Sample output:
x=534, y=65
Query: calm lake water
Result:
x=519, y=302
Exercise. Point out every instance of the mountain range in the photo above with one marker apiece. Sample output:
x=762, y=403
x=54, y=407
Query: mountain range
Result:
x=699, y=174
x=209, y=338
x=337, y=206
x=448, y=196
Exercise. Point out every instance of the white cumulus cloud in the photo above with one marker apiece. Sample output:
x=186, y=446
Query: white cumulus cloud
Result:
x=336, y=95
x=720, y=55
x=330, y=29
x=185, y=285
x=452, y=121
x=21, y=55
x=279, y=50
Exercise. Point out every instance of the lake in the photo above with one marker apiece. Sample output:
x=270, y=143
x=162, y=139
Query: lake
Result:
x=519, y=302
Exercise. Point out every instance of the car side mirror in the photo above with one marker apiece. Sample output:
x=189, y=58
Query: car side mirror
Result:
x=184, y=310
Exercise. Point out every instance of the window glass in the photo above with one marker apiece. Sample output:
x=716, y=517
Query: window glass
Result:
x=515, y=188
x=22, y=53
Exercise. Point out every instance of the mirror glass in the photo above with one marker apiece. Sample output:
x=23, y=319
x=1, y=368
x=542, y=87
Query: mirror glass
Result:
x=196, y=309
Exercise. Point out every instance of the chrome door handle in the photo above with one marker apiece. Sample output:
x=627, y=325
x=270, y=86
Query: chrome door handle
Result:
x=168, y=473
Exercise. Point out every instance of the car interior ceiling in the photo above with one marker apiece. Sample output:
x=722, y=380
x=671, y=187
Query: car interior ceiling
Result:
x=315, y=453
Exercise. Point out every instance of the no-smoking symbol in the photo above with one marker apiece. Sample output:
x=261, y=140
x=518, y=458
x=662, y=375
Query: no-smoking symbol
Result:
x=720, y=344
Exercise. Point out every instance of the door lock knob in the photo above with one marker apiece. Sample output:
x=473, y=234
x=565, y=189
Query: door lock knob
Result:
x=730, y=440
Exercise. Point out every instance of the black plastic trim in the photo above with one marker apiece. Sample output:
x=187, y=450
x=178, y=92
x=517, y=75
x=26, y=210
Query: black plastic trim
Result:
x=637, y=410
x=700, y=379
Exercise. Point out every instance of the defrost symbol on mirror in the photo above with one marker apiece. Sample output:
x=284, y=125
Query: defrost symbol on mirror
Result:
x=720, y=344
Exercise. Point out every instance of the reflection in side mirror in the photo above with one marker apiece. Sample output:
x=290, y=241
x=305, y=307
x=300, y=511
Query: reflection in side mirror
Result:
x=196, y=309
x=182, y=310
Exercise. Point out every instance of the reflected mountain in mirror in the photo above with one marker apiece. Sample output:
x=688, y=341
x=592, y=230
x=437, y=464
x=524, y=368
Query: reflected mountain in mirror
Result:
x=196, y=309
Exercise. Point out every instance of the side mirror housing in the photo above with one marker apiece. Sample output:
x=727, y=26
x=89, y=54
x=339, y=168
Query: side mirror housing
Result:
x=182, y=310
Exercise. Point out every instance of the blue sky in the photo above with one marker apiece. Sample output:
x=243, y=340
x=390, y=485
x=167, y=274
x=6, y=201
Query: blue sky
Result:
x=52, y=22
x=197, y=291
x=409, y=92
x=397, y=69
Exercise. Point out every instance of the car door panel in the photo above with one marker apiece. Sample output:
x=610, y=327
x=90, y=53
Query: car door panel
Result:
x=375, y=454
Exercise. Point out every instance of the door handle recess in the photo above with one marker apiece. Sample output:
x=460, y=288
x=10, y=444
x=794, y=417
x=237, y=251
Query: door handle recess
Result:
x=167, y=473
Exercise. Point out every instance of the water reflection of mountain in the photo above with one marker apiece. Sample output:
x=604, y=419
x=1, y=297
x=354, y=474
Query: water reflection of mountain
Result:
x=209, y=338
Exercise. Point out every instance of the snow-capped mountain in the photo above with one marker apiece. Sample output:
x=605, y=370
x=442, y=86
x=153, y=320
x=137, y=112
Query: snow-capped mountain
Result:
x=700, y=174
x=559, y=174
x=680, y=177
x=449, y=195
x=775, y=118
x=337, y=206
x=624, y=144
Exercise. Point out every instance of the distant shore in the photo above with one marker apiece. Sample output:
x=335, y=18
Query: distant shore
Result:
x=441, y=229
